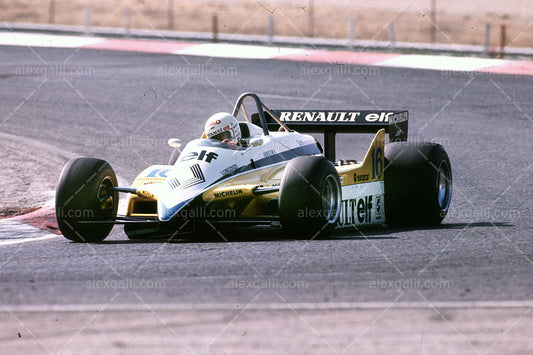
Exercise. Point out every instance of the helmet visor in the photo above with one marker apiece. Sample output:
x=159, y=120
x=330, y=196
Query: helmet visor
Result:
x=223, y=135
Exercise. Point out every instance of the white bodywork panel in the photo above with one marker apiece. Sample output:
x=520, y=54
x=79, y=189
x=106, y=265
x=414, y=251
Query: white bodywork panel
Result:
x=362, y=204
x=205, y=163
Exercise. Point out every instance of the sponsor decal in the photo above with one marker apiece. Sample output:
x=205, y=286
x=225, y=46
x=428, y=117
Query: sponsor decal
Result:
x=342, y=116
x=149, y=183
x=198, y=177
x=379, y=208
x=228, y=193
x=204, y=155
x=229, y=170
x=214, y=123
x=399, y=117
x=173, y=182
x=269, y=153
x=157, y=173
x=146, y=194
x=361, y=178
x=378, y=117
x=364, y=209
x=213, y=132
x=356, y=211
x=319, y=116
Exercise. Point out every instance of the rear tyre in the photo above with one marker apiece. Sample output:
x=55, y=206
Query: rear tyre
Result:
x=309, y=197
x=418, y=183
x=85, y=200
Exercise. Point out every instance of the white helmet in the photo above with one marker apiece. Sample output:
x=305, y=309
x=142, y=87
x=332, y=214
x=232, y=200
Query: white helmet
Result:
x=223, y=126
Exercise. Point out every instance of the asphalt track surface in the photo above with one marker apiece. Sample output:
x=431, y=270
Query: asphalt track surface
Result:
x=122, y=107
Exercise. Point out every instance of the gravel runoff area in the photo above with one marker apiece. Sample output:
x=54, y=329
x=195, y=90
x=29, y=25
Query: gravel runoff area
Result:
x=29, y=174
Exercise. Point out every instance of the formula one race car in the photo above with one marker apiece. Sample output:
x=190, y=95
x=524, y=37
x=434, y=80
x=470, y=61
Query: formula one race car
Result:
x=271, y=174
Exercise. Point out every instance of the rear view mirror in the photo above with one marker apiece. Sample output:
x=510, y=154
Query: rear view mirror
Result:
x=175, y=143
x=255, y=142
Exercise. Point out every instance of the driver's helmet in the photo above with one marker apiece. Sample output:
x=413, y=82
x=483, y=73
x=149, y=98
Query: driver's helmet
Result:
x=223, y=127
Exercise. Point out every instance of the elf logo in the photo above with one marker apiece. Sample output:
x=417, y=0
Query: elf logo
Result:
x=378, y=116
x=203, y=155
x=356, y=211
x=364, y=209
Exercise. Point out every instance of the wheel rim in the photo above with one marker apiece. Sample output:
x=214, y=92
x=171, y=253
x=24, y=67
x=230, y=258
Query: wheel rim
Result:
x=106, y=198
x=331, y=199
x=444, y=185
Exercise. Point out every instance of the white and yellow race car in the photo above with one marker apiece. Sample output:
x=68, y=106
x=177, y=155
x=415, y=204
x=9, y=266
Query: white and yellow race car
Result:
x=276, y=175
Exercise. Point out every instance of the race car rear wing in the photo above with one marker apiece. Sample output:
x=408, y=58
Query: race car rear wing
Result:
x=331, y=122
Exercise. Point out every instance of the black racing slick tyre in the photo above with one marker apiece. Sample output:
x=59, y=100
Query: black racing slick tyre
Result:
x=85, y=200
x=309, y=197
x=418, y=183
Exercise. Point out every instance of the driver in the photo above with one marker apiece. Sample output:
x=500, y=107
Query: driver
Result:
x=223, y=127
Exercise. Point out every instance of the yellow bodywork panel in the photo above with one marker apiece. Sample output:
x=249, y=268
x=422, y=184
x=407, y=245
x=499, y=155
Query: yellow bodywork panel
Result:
x=225, y=193
x=139, y=206
x=144, y=203
x=241, y=190
x=372, y=166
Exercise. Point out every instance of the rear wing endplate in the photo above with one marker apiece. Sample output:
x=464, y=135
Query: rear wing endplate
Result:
x=331, y=122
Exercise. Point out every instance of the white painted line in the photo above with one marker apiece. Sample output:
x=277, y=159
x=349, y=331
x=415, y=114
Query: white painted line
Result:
x=27, y=240
x=224, y=50
x=16, y=232
x=436, y=62
x=44, y=40
x=266, y=306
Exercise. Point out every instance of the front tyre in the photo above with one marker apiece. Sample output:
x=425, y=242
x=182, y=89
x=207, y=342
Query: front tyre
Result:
x=309, y=197
x=85, y=200
x=418, y=183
